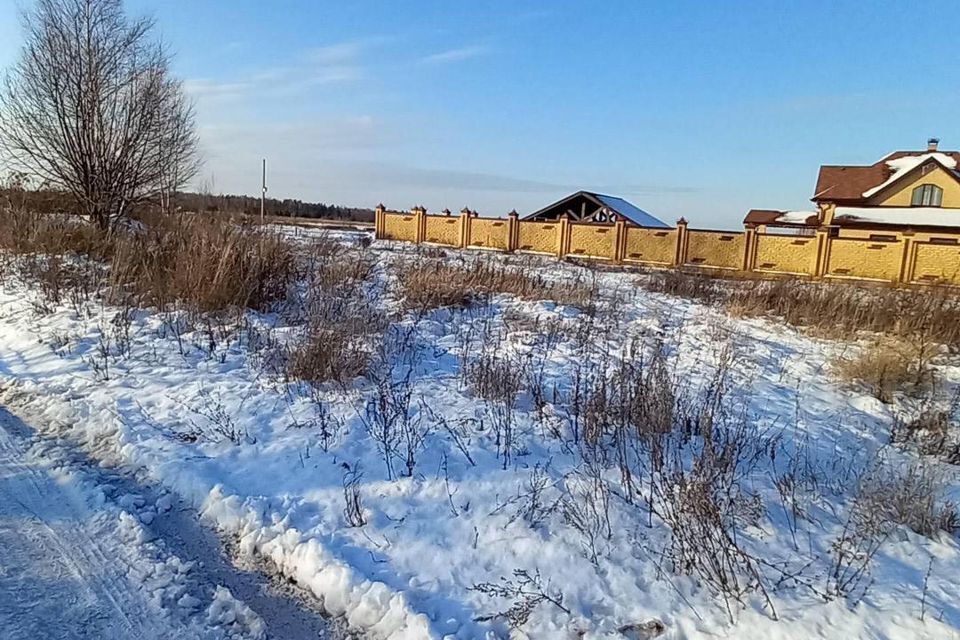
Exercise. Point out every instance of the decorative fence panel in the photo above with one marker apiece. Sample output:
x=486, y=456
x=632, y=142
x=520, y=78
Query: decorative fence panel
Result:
x=442, y=230
x=593, y=241
x=937, y=262
x=865, y=259
x=715, y=249
x=795, y=255
x=539, y=237
x=400, y=226
x=489, y=233
x=651, y=246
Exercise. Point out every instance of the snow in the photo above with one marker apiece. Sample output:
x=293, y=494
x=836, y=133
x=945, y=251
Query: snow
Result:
x=75, y=565
x=795, y=217
x=901, y=216
x=431, y=538
x=902, y=166
x=227, y=612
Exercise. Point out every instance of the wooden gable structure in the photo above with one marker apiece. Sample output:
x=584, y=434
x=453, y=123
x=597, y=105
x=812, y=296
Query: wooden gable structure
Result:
x=586, y=206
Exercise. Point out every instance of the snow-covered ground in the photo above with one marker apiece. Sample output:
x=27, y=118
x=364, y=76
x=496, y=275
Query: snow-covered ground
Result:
x=76, y=560
x=437, y=545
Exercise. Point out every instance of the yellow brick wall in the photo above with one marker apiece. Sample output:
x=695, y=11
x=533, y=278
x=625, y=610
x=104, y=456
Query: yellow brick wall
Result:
x=538, y=236
x=654, y=246
x=593, y=241
x=786, y=254
x=865, y=259
x=920, y=236
x=489, y=232
x=902, y=195
x=718, y=249
x=400, y=226
x=852, y=255
x=865, y=234
x=937, y=263
x=443, y=230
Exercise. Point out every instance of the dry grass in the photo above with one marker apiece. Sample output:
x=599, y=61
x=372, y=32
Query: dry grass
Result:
x=838, y=310
x=328, y=354
x=887, y=365
x=429, y=284
x=344, y=322
x=26, y=233
x=204, y=263
x=910, y=494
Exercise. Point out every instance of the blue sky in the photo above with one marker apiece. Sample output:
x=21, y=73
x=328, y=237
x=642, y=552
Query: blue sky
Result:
x=692, y=109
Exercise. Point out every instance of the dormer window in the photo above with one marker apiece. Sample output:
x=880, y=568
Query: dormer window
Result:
x=927, y=195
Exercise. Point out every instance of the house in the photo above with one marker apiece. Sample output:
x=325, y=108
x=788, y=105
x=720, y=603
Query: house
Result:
x=586, y=206
x=915, y=191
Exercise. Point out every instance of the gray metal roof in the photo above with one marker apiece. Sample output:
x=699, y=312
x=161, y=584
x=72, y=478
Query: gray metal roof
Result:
x=631, y=212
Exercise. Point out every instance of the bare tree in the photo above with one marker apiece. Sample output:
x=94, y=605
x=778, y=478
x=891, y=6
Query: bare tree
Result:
x=91, y=108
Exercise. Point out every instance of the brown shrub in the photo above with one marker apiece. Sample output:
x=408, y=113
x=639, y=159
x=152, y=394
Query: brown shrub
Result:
x=838, y=310
x=430, y=284
x=910, y=494
x=934, y=432
x=887, y=365
x=685, y=285
x=332, y=264
x=328, y=354
x=344, y=323
x=206, y=263
x=24, y=232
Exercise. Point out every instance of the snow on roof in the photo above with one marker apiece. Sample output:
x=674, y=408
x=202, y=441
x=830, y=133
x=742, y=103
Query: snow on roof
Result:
x=899, y=167
x=795, y=217
x=901, y=216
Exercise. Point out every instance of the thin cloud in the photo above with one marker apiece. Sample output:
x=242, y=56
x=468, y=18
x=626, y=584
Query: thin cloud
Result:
x=207, y=88
x=338, y=53
x=456, y=55
x=334, y=63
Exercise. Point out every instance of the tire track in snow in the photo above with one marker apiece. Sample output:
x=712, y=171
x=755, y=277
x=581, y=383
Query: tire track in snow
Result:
x=63, y=571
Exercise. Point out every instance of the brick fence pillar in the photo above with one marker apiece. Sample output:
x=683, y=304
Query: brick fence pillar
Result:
x=909, y=260
x=680, y=256
x=563, y=241
x=378, y=221
x=420, y=216
x=513, y=231
x=823, y=252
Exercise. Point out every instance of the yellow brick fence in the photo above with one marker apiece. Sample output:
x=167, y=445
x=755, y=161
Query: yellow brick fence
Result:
x=899, y=258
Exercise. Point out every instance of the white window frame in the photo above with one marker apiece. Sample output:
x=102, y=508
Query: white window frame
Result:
x=926, y=195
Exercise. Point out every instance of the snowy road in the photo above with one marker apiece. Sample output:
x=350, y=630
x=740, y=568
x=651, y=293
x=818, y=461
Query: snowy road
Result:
x=76, y=560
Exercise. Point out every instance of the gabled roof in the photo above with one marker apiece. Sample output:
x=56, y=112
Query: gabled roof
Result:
x=623, y=208
x=852, y=184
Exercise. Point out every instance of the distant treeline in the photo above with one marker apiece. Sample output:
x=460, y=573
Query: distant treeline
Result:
x=287, y=207
x=49, y=201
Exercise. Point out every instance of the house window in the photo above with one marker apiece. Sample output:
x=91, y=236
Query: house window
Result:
x=927, y=195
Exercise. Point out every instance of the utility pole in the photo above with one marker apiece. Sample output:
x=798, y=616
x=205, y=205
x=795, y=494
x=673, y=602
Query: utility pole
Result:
x=263, y=193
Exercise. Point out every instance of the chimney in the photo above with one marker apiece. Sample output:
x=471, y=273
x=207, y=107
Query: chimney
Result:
x=932, y=144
